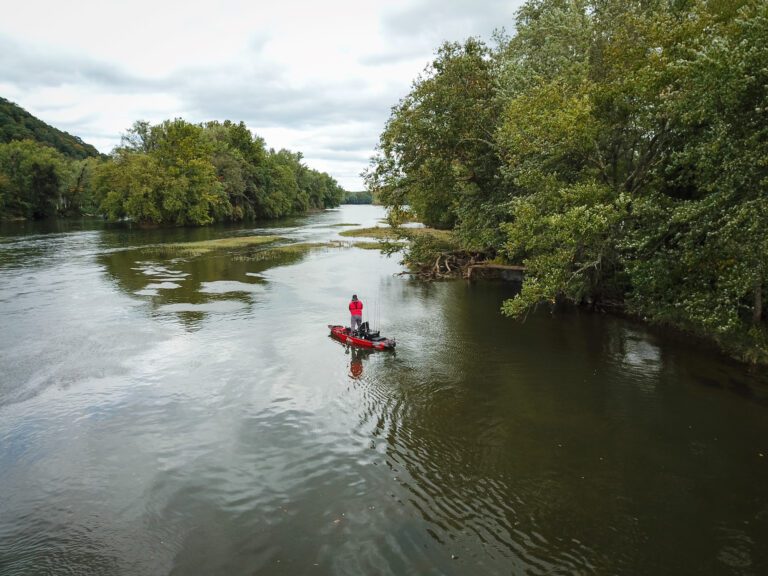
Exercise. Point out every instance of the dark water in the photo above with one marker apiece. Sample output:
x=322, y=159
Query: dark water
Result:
x=191, y=416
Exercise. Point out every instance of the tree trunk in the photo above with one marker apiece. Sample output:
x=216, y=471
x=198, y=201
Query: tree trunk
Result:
x=757, y=312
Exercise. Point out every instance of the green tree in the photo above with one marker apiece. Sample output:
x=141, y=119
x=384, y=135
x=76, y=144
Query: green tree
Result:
x=699, y=251
x=175, y=173
x=79, y=195
x=164, y=174
x=132, y=185
x=34, y=176
x=582, y=138
x=437, y=148
x=627, y=162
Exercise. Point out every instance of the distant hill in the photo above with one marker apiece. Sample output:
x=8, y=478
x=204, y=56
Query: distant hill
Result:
x=18, y=124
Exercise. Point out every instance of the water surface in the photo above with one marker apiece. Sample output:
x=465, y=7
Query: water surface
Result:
x=190, y=415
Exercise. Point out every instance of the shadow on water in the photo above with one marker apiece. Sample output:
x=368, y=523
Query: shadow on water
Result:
x=518, y=436
x=15, y=228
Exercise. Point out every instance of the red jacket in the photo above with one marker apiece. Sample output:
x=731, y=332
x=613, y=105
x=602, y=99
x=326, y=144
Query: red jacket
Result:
x=356, y=308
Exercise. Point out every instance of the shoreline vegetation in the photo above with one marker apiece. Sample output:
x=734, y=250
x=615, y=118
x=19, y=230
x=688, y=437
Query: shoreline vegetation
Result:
x=429, y=253
x=616, y=150
x=170, y=174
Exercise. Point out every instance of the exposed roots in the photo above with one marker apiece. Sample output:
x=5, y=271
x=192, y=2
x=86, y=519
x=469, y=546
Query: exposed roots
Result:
x=449, y=264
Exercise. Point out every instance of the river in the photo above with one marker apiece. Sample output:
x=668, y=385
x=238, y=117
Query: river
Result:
x=190, y=415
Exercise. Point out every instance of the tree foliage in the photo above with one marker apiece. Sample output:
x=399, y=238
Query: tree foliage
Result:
x=174, y=173
x=437, y=152
x=619, y=150
x=361, y=197
x=33, y=179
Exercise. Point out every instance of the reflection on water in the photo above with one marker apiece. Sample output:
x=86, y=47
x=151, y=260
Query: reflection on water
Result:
x=192, y=415
x=357, y=359
x=191, y=287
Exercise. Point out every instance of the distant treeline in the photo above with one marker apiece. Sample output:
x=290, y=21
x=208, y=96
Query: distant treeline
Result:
x=617, y=148
x=174, y=173
x=358, y=198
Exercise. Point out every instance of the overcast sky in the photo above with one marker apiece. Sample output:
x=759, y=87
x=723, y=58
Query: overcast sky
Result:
x=316, y=76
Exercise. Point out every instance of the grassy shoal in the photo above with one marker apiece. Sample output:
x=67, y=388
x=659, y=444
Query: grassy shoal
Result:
x=205, y=246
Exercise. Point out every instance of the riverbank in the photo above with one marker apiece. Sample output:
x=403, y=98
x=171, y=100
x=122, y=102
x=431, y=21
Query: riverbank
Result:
x=434, y=254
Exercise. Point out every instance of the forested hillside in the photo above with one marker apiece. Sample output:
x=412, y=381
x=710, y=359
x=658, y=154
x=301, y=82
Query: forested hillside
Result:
x=18, y=124
x=617, y=148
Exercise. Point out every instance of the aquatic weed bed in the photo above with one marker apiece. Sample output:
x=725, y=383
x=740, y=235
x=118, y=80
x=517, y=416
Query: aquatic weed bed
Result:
x=206, y=246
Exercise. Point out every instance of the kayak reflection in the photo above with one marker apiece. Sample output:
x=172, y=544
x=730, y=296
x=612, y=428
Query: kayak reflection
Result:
x=357, y=355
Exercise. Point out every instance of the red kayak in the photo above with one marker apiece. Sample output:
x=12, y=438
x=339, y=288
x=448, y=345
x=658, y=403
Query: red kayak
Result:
x=364, y=338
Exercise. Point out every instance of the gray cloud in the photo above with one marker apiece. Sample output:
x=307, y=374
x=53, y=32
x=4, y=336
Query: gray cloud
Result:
x=348, y=154
x=396, y=54
x=260, y=96
x=75, y=124
x=337, y=120
x=258, y=41
x=362, y=141
x=265, y=99
x=436, y=21
x=29, y=67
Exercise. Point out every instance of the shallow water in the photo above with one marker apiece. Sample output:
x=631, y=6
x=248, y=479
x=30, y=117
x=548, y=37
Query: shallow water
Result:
x=191, y=415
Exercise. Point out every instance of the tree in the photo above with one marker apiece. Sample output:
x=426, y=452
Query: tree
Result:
x=619, y=150
x=700, y=258
x=174, y=172
x=437, y=146
x=132, y=186
x=79, y=194
x=34, y=175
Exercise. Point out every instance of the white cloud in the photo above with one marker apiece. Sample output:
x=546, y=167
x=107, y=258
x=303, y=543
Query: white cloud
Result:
x=315, y=77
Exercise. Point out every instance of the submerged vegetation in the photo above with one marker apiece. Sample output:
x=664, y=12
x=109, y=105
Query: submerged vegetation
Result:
x=380, y=232
x=250, y=248
x=172, y=173
x=618, y=150
x=371, y=245
x=205, y=246
x=289, y=250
